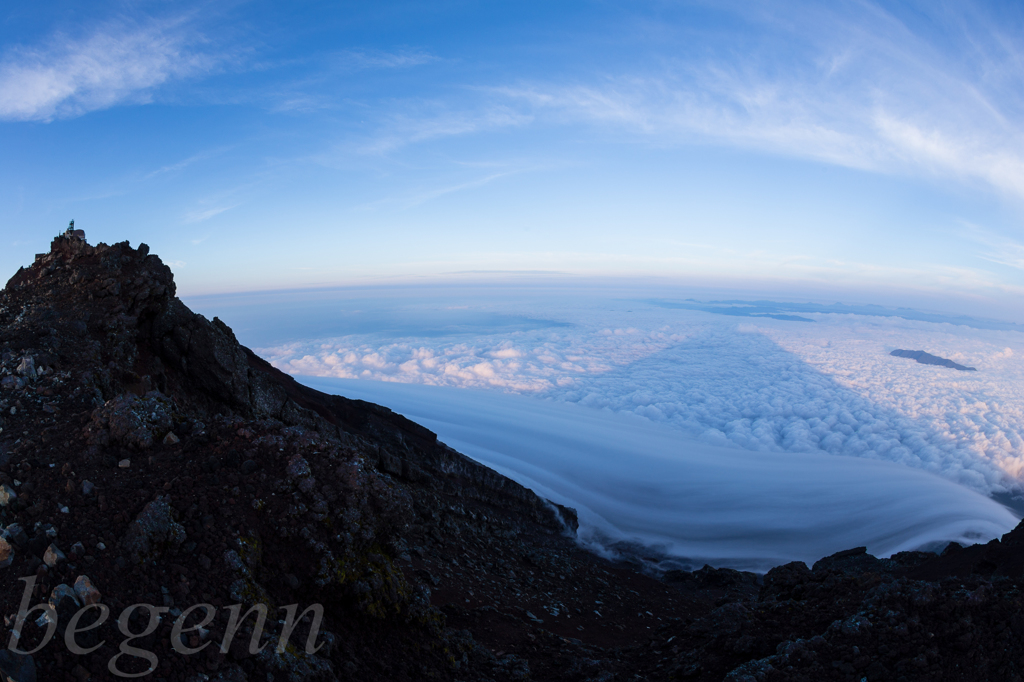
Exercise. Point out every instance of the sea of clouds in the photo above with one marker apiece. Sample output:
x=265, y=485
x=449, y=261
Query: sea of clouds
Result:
x=731, y=384
x=680, y=502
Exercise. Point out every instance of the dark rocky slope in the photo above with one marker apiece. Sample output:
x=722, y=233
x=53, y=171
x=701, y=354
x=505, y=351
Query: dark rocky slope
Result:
x=145, y=452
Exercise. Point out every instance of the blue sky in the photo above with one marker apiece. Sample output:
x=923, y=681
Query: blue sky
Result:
x=810, y=149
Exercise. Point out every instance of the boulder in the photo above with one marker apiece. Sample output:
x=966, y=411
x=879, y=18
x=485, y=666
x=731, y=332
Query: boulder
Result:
x=64, y=602
x=129, y=420
x=153, y=531
x=27, y=367
x=86, y=591
x=53, y=556
x=7, y=495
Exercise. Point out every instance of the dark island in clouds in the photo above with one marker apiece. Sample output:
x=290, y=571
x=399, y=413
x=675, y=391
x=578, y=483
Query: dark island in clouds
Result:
x=151, y=464
x=929, y=359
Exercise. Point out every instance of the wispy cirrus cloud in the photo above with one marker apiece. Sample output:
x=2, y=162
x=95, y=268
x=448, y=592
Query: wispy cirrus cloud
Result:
x=997, y=248
x=670, y=110
x=855, y=85
x=380, y=59
x=416, y=198
x=184, y=163
x=319, y=87
x=200, y=216
x=410, y=127
x=118, y=62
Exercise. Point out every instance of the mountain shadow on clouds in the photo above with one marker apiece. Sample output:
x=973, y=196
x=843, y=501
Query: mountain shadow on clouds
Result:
x=786, y=311
x=726, y=387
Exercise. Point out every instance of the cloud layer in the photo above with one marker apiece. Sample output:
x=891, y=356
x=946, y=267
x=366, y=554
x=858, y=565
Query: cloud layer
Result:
x=637, y=482
x=763, y=385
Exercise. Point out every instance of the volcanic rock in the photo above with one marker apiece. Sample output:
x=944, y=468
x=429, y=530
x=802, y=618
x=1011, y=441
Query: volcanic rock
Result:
x=153, y=531
x=6, y=553
x=53, y=556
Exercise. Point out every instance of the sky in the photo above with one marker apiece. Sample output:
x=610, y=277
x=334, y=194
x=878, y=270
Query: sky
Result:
x=852, y=151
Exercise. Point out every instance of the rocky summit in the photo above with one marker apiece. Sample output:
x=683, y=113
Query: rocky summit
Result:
x=173, y=507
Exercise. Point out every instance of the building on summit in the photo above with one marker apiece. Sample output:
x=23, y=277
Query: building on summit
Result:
x=71, y=232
